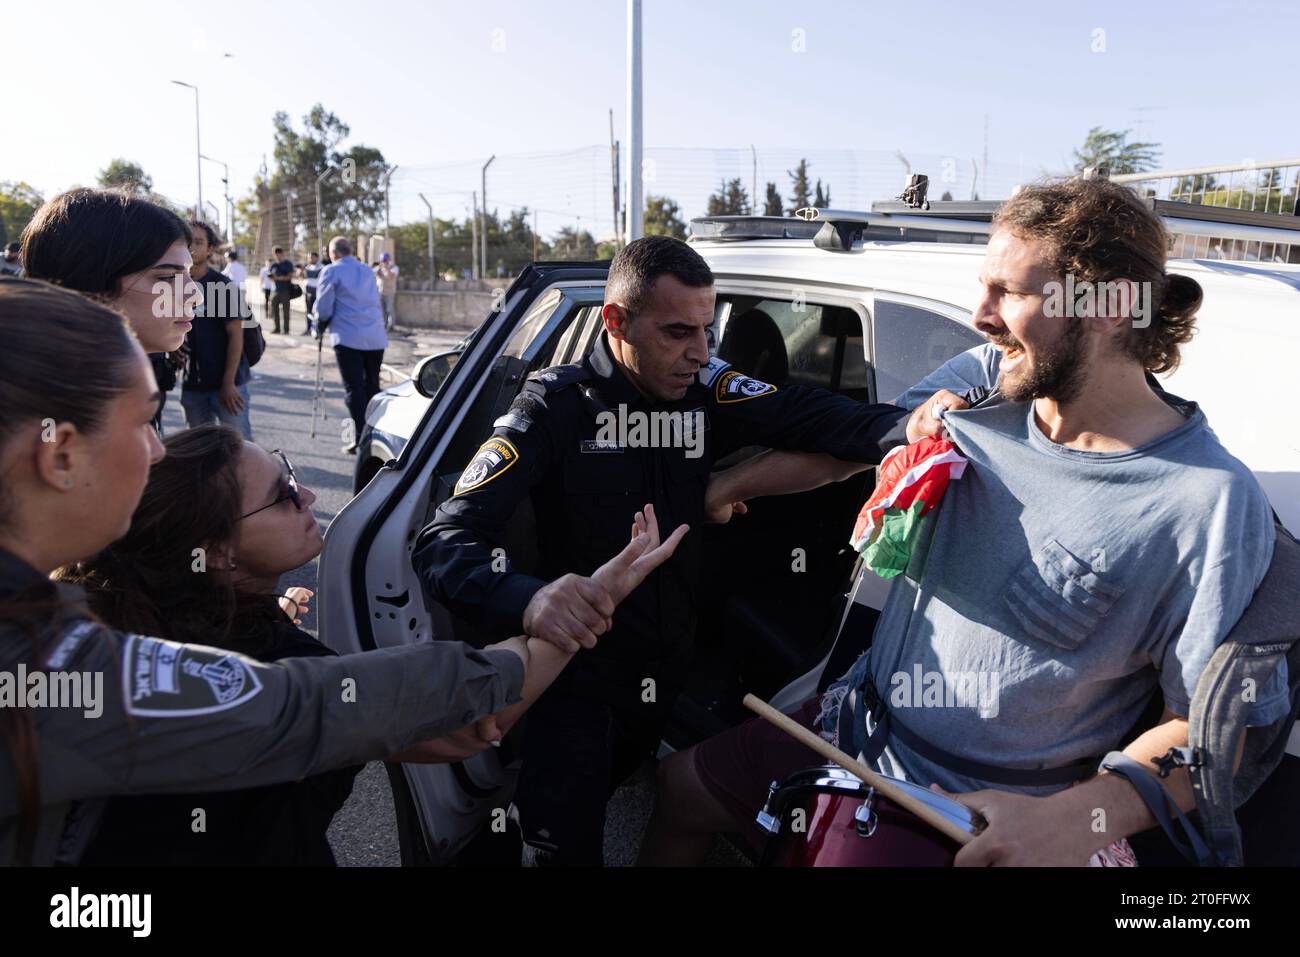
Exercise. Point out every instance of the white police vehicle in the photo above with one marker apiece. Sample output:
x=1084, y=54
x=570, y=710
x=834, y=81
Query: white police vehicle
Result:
x=864, y=304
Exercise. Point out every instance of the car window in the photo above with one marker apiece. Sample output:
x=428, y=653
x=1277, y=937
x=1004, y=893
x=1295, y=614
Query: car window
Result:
x=788, y=342
x=911, y=342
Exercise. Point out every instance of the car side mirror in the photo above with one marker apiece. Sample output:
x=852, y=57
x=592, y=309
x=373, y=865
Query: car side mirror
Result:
x=431, y=371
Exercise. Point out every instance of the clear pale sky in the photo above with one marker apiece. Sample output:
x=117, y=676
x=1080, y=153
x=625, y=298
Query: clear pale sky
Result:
x=439, y=86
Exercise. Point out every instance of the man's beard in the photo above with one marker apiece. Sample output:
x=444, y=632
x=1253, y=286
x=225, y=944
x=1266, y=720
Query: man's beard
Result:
x=1056, y=374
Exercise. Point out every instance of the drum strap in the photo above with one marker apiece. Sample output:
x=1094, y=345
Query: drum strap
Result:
x=853, y=730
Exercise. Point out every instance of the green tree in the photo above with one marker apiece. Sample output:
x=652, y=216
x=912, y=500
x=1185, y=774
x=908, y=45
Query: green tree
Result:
x=822, y=200
x=1111, y=149
x=663, y=217
x=352, y=199
x=571, y=244
x=731, y=199
x=772, y=205
x=18, y=204
x=125, y=174
x=799, y=188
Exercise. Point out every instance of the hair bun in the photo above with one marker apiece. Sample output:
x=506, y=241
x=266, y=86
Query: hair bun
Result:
x=1182, y=297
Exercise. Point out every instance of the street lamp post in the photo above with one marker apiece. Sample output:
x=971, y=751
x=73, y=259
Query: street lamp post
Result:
x=483, y=231
x=230, y=207
x=433, y=275
x=198, y=148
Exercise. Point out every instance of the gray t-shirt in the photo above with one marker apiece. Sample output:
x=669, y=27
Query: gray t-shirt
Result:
x=1058, y=588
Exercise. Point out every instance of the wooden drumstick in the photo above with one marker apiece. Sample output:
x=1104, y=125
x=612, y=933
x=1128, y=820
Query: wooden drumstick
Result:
x=878, y=781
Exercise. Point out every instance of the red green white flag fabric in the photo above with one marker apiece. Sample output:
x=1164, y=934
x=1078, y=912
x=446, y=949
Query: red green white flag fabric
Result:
x=910, y=484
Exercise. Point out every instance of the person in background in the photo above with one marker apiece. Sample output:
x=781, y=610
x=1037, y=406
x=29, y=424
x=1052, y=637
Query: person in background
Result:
x=311, y=275
x=235, y=270
x=282, y=271
x=12, y=263
x=347, y=304
x=268, y=288
x=386, y=276
x=215, y=388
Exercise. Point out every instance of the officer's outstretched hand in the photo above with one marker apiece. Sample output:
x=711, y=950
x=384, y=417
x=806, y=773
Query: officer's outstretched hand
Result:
x=644, y=553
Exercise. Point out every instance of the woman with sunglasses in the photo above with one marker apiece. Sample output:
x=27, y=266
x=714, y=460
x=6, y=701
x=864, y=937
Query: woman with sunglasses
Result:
x=162, y=716
x=254, y=525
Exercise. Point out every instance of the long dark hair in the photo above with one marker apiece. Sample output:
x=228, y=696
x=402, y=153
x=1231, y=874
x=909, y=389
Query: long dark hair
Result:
x=47, y=333
x=155, y=580
x=89, y=239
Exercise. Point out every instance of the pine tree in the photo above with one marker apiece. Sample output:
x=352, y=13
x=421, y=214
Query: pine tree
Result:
x=799, y=188
x=772, y=204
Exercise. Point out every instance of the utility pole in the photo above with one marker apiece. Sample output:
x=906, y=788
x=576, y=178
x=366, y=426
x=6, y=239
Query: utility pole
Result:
x=613, y=167
x=635, y=205
x=433, y=276
x=288, y=205
x=473, y=237
x=320, y=237
x=753, y=196
x=388, y=176
x=483, y=231
x=985, y=167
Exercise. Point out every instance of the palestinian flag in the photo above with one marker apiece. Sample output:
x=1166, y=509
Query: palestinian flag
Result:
x=910, y=484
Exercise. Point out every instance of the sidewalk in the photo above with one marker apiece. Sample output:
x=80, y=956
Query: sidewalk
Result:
x=406, y=347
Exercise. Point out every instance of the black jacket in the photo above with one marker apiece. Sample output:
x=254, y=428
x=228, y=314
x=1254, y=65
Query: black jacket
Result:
x=586, y=493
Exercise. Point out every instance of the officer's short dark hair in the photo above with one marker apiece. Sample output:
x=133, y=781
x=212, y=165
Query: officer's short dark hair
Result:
x=634, y=270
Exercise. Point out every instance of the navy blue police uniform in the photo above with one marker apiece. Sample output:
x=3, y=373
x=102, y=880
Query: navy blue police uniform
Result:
x=591, y=451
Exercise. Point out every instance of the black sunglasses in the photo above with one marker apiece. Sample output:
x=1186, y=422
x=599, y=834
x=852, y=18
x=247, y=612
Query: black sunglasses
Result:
x=290, y=492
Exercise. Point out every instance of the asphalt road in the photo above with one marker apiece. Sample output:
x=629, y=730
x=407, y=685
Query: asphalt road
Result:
x=364, y=832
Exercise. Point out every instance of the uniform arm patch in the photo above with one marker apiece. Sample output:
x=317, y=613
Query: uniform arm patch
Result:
x=493, y=458
x=734, y=386
x=164, y=679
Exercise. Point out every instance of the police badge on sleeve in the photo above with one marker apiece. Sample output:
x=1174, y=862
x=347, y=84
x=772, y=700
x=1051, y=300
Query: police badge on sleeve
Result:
x=735, y=386
x=164, y=679
x=493, y=458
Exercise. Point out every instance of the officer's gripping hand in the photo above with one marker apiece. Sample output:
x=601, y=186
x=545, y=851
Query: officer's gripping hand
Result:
x=925, y=422
x=571, y=613
x=644, y=553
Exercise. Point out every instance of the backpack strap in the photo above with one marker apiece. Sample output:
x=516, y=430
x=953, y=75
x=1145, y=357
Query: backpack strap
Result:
x=1159, y=802
x=1265, y=635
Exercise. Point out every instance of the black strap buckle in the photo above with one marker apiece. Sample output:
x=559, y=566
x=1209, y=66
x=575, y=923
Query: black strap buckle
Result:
x=1177, y=758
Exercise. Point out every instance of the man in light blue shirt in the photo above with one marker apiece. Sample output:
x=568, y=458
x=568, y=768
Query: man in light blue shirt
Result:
x=348, y=307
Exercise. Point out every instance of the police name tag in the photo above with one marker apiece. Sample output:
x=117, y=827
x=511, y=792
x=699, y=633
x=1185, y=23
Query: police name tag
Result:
x=599, y=446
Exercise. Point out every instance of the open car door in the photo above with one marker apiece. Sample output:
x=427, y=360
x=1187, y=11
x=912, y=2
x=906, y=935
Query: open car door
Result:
x=368, y=594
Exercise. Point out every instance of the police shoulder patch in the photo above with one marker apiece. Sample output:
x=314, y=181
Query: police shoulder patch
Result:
x=735, y=386
x=493, y=458
x=163, y=679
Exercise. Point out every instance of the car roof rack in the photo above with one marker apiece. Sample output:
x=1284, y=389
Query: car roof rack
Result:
x=961, y=221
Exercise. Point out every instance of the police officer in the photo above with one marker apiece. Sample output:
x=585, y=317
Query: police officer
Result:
x=87, y=712
x=641, y=419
